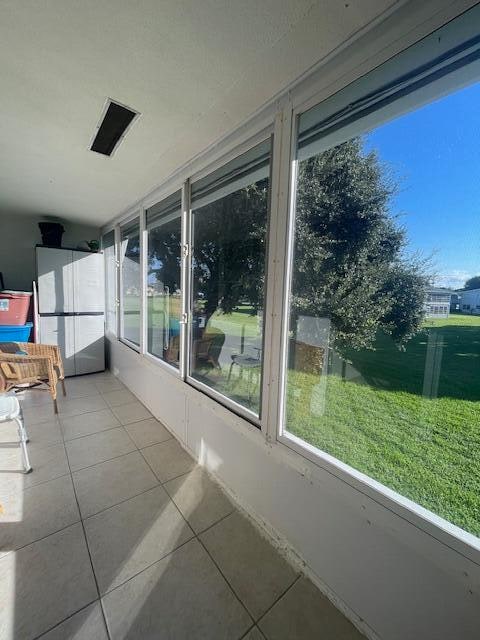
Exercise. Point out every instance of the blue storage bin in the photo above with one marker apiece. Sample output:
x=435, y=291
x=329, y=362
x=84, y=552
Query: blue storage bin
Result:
x=15, y=333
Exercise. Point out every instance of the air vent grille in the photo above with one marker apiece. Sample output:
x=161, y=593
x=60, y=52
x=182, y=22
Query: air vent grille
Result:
x=115, y=122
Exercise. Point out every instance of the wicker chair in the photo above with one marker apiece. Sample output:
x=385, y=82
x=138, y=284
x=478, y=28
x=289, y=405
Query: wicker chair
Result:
x=208, y=348
x=41, y=367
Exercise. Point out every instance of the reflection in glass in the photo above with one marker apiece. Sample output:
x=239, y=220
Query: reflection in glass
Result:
x=131, y=282
x=164, y=305
x=230, y=209
x=384, y=334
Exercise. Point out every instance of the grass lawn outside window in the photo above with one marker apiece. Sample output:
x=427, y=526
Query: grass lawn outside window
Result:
x=375, y=418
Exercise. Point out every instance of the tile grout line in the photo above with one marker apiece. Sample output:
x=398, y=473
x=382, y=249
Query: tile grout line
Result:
x=194, y=534
x=121, y=456
x=210, y=526
x=87, y=435
x=254, y=626
x=67, y=526
x=154, y=444
x=123, y=426
x=89, y=466
x=197, y=537
x=72, y=415
x=87, y=546
x=148, y=567
x=57, y=417
x=227, y=581
x=97, y=512
x=85, y=537
x=116, y=426
x=194, y=537
x=277, y=600
x=92, y=515
x=62, y=475
x=149, y=465
x=44, y=633
x=39, y=484
x=81, y=520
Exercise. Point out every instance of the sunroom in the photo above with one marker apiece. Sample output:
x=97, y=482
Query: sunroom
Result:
x=229, y=407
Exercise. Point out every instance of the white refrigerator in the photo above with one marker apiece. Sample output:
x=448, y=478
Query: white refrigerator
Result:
x=71, y=306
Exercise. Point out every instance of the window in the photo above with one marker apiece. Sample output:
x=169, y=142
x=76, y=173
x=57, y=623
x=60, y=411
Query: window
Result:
x=229, y=227
x=108, y=246
x=164, y=303
x=379, y=374
x=130, y=274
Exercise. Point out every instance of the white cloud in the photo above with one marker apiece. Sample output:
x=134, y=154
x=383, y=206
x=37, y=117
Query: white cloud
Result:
x=454, y=279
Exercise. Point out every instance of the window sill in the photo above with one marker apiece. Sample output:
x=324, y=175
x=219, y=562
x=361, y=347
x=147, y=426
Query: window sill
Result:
x=174, y=371
x=231, y=406
x=129, y=344
x=445, y=532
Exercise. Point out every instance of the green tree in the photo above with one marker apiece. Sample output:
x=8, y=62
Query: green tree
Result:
x=164, y=255
x=229, y=250
x=472, y=283
x=350, y=263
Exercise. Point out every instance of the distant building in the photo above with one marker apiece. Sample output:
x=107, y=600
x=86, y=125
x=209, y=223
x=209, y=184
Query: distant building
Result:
x=437, y=303
x=470, y=301
x=455, y=302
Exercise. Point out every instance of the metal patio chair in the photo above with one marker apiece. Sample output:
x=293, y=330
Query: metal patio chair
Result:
x=252, y=365
x=10, y=410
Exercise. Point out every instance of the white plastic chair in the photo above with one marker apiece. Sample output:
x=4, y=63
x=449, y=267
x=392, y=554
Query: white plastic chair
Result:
x=10, y=410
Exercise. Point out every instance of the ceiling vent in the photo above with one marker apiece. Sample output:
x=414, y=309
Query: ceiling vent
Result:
x=112, y=128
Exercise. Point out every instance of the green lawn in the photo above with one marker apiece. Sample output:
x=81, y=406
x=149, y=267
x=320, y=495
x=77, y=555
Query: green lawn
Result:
x=244, y=385
x=375, y=418
x=240, y=322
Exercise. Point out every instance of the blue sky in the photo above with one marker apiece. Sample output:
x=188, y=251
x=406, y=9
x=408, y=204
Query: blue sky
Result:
x=434, y=154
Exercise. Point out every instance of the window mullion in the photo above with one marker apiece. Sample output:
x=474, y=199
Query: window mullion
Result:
x=143, y=282
x=185, y=280
x=277, y=270
x=118, y=311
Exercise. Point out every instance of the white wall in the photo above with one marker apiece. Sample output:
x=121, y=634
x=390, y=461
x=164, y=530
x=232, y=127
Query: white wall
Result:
x=18, y=236
x=393, y=579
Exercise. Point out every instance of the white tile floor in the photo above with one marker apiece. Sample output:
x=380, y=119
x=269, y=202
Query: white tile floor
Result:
x=117, y=534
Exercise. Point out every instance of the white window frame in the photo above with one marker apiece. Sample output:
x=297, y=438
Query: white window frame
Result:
x=113, y=331
x=176, y=371
x=136, y=216
x=458, y=31
x=265, y=134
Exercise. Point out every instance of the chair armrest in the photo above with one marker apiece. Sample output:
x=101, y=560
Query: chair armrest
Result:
x=14, y=357
x=12, y=362
x=39, y=349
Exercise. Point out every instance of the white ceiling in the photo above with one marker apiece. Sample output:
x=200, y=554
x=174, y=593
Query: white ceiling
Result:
x=195, y=69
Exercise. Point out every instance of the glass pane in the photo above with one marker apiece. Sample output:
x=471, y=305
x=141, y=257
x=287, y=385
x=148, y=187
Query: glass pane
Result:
x=384, y=336
x=108, y=246
x=229, y=236
x=164, y=303
x=131, y=283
